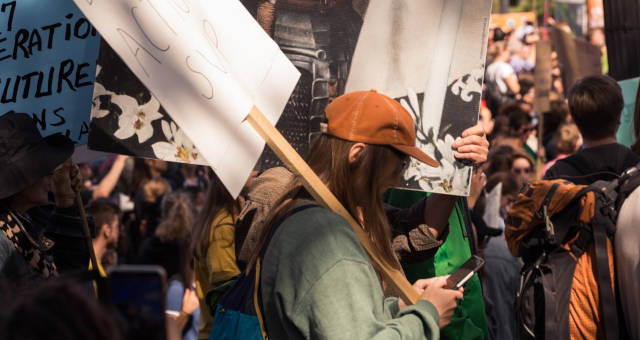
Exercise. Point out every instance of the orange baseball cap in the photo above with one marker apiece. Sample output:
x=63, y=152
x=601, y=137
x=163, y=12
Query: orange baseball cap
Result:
x=373, y=118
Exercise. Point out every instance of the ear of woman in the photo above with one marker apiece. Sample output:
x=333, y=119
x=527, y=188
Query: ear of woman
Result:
x=354, y=152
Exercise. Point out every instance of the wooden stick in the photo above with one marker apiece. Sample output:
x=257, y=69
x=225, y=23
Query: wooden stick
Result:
x=87, y=234
x=323, y=195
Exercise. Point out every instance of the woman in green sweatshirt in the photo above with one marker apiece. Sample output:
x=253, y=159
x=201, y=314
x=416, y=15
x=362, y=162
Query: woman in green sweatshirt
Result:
x=316, y=280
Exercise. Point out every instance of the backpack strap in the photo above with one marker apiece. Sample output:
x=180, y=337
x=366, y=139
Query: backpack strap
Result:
x=257, y=298
x=543, y=214
x=600, y=226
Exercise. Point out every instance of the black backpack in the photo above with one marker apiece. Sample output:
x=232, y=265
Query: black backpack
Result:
x=551, y=226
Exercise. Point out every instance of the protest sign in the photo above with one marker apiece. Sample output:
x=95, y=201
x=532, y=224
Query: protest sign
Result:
x=118, y=93
x=569, y=48
x=510, y=22
x=208, y=63
x=48, y=53
x=401, y=54
x=626, y=131
x=542, y=76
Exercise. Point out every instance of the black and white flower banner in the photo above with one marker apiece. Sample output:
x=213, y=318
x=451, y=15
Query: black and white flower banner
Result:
x=126, y=118
x=430, y=56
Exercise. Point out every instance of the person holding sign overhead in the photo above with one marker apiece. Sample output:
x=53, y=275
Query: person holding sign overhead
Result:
x=316, y=280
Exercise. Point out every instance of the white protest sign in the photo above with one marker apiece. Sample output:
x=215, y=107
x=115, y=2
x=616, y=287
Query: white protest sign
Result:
x=208, y=63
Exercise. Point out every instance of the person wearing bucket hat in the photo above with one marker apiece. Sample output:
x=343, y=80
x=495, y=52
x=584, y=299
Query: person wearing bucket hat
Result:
x=316, y=281
x=36, y=240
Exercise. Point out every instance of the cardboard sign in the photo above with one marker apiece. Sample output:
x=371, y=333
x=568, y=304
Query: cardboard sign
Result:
x=48, y=52
x=509, y=22
x=435, y=69
x=626, y=134
x=569, y=48
x=542, y=76
x=208, y=63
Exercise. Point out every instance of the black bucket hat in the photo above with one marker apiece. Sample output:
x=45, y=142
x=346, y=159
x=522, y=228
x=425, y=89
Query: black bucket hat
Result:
x=25, y=156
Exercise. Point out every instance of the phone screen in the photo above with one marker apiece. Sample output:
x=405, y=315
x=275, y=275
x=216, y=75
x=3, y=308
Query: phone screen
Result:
x=465, y=272
x=138, y=294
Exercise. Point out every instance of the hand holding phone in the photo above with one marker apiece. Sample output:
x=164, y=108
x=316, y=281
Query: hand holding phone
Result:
x=444, y=300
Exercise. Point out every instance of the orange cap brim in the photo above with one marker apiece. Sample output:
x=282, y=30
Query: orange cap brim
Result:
x=416, y=153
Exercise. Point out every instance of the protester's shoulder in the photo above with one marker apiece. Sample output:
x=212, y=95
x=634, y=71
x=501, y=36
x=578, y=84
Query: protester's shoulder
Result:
x=319, y=232
x=562, y=167
x=223, y=217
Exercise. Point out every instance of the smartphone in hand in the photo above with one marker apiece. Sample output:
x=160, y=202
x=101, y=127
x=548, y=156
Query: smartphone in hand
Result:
x=465, y=272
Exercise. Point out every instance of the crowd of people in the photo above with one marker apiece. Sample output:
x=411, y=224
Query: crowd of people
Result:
x=316, y=280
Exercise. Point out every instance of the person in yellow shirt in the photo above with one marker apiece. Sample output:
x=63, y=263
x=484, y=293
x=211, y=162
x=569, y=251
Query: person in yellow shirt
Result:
x=213, y=245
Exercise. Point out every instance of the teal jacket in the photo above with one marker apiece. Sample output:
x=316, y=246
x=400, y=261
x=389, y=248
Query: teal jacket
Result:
x=469, y=321
x=317, y=283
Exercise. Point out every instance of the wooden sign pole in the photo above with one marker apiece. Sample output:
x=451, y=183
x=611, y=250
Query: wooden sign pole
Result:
x=87, y=233
x=323, y=195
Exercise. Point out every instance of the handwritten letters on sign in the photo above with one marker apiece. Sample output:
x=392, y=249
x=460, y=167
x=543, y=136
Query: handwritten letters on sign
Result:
x=208, y=63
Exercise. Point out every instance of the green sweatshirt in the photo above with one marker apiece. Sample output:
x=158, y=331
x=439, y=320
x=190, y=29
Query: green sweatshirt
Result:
x=317, y=283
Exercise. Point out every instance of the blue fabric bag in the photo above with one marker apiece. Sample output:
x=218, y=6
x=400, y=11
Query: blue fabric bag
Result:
x=238, y=314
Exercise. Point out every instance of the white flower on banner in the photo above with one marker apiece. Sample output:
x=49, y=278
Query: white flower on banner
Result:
x=99, y=90
x=136, y=119
x=179, y=147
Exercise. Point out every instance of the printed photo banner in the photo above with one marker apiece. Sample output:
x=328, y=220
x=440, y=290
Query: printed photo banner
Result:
x=127, y=119
x=48, y=53
x=208, y=63
x=435, y=69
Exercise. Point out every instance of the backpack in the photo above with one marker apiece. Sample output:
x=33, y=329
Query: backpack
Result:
x=564, y=234
x=238, y=314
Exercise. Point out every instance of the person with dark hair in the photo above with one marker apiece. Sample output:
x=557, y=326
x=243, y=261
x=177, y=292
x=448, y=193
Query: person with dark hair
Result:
x=520, y=124
x=501, y=272
x=527, y=91
x=499, y=160
x=557, y=115
x=595, y=103
x=169, y=247
x=57, y=310
x=173, y=233
x=521, y=168
x=107, y=220
x=37, y=239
